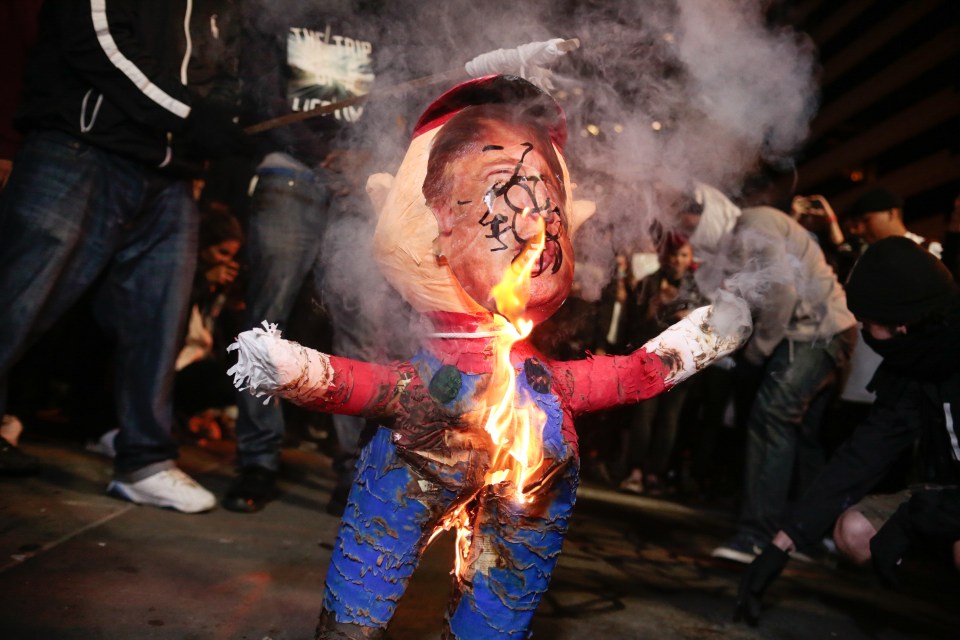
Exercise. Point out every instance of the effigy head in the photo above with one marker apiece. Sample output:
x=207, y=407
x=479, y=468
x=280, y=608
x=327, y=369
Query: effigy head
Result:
x=484, y=170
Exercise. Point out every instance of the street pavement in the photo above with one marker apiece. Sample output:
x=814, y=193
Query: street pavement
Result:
x=77, y=564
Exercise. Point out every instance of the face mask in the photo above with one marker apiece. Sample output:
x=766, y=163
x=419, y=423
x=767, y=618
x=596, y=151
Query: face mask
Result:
x=921, y=354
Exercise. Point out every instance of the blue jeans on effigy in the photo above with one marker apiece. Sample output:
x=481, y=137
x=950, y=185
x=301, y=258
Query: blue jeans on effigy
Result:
x=395, y=507
x=288, y=216
x=783, y=429
x=72, y=213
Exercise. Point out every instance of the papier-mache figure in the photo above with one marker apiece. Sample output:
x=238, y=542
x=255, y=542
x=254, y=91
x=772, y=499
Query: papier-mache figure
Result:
x=477, y=428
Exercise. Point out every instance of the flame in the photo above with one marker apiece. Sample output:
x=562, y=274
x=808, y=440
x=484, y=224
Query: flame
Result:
x=515, y=425
x=516, y=431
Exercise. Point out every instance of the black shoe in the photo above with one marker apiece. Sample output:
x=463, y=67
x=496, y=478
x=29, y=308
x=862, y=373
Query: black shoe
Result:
x=251, y=491
x=14, y=462
x=338, y=500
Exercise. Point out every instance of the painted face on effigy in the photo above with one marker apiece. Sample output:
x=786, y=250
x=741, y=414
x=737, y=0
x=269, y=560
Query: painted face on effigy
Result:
x=496, y=188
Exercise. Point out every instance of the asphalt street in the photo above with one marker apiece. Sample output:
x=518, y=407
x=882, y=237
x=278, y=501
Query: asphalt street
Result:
x=77, y=564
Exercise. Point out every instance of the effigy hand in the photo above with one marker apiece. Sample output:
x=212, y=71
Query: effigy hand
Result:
x=702, y=337
x=268, y=365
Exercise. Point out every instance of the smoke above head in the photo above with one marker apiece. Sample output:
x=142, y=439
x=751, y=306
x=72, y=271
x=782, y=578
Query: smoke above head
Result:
x=660, y=94
x=666, y=93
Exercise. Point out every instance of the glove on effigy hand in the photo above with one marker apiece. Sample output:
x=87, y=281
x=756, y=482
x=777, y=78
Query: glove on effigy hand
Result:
x=268, y=365
x=759, y=575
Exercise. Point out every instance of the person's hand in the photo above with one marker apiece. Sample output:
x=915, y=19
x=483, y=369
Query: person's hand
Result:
x=750, y=363
x=6, y=167
x=817, y=205
x=223, y=273
x=759, y=575
x=212, y=131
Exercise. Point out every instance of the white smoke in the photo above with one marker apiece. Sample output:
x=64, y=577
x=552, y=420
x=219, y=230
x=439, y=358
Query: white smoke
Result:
x=660, y=94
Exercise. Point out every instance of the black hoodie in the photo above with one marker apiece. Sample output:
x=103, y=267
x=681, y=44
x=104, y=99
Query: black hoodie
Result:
x=122, y=74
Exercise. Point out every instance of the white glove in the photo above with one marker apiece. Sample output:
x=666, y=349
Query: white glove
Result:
x=269, y=365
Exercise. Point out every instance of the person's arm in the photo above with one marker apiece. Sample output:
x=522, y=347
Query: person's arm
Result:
x=779, y=301
x=100, y=42
x=852, y=471
x=856, y=467
x=818, y=206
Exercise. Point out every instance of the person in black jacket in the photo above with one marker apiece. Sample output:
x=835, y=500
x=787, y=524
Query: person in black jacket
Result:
x=122, y=102
x=909, y=308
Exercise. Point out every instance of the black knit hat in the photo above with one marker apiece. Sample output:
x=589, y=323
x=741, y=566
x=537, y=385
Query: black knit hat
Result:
x=876, y=199
x=897, y=281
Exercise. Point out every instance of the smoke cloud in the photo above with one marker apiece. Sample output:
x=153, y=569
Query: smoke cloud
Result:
x=660, y=94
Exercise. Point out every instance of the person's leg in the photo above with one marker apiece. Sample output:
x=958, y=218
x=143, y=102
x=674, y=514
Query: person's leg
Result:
x=858, y=524
x=811, y=452
x=716, y=388
x=639, y=436
x=793, y=376
x=664, y=435
x=285, y=228
x=149, y=293
x=353, y=337
x=852, y=535
x=509, y=559
x=811, y=455
x=54, y=239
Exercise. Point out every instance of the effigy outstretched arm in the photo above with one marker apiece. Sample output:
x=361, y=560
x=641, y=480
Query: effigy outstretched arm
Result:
x=273, y=367
x=686, y=347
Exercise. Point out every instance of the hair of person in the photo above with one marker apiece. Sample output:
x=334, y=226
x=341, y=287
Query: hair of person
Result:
x=217, y=227
x=671, y=243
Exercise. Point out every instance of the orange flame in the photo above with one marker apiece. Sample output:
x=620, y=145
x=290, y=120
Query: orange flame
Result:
x=516, y=431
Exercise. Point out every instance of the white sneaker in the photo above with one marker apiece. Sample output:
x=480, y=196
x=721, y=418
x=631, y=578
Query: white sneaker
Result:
x=170, y=488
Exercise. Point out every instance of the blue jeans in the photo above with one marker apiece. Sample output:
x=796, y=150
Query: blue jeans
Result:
x=397, y=503
x=783, y=429
x=288, y=216
x=72, y=213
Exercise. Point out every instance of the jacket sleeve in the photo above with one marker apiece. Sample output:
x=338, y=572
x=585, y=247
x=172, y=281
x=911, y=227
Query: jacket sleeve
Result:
x=856, y=467
x=100, y=42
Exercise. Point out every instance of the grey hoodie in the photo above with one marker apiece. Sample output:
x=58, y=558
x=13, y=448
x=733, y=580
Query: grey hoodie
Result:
x=766, y=257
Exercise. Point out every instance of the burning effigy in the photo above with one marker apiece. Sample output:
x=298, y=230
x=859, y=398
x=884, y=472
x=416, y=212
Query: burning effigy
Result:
x=477, y=435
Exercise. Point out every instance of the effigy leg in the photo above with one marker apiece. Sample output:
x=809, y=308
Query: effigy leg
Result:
x=512, y=552
x=394, y=507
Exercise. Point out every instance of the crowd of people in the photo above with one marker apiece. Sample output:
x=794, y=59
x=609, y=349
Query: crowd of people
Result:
x=848, y=379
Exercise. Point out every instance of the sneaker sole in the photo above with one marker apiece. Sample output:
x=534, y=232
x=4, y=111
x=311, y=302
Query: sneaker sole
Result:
x=727, y=553
x=117, y=491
